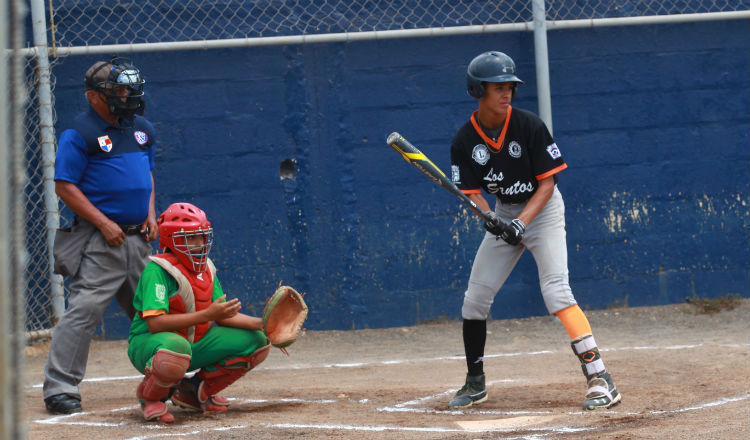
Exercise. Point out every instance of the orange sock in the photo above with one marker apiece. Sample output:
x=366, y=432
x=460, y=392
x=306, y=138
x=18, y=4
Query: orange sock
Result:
x=574, y=321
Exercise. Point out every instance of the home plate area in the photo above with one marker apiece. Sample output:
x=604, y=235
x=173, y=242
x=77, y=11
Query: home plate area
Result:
x=375, y=400
x=682, y=376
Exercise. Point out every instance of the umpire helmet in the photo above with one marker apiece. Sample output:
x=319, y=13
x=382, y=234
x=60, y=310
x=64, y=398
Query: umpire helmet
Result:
x=490, y=66
x=121, y=84
x=181, y=222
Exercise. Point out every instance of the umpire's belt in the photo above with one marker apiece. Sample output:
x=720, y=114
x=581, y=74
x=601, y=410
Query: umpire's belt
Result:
x=131, y=229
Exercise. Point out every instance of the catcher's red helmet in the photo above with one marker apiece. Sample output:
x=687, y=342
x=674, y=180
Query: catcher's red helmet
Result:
x=178, y=227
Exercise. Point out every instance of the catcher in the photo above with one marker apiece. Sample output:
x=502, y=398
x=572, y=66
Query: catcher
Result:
x=184, y=322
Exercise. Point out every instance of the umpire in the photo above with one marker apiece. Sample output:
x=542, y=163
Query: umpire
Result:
x=103, y=174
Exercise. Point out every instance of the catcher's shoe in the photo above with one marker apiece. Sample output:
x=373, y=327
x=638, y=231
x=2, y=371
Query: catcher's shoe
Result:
x=156, y=410
x=153, y=409
x=472, y=392
x=602, y=393
x=186, y=396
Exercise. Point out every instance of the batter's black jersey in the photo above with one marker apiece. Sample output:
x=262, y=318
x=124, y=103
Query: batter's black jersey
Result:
x=510, y=167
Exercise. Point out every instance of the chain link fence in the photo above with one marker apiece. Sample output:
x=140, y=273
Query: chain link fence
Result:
x=96, y=22
x=39, y=311
x=592, y=9
x=92, y=22
x=89, y=25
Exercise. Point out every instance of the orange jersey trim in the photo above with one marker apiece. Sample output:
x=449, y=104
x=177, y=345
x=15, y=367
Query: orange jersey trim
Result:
x=150, y=313
x=496, y=146
x=471, y=191
x=551, y=172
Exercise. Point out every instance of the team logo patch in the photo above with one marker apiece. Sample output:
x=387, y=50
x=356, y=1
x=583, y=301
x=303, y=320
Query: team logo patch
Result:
x=105, y=143
x=553, y=151
x=141, y=137
x=480, y=154
x=455, y=174
x=161, y=292
x=514, y=149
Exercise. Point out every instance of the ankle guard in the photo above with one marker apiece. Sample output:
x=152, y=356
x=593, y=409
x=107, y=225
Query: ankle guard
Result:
x=585, y=348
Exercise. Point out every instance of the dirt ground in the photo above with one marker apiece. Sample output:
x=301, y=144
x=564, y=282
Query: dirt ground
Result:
x=682, y=376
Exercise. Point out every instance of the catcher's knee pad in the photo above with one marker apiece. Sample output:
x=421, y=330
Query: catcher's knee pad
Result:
x=214, y=381
x=167, y=367
x=588, y=353
x=259, y=356
x=477, y=302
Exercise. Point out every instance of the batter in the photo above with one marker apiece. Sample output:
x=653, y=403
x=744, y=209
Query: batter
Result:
x=510, y=153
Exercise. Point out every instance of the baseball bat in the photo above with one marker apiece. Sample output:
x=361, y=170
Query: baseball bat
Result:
x=415, y=157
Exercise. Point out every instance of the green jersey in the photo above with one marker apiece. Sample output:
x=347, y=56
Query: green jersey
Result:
x=155, y=288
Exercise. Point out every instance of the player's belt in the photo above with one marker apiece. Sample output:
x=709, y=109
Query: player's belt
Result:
x=127, y=229
x=131, y=229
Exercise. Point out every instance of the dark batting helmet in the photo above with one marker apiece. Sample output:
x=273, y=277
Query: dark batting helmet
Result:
x=490, y=66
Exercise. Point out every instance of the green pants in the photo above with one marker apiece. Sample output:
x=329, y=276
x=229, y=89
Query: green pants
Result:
x=218, y=345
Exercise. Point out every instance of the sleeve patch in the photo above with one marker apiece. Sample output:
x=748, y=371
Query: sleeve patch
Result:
x=161, y=292
x=553, y=151
x=455, y=174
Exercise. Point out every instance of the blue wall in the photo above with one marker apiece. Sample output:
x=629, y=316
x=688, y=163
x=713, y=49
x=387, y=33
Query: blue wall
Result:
x=653, y=122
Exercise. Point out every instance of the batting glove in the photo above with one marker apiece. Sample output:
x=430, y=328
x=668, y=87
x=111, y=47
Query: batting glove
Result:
x=496, y=226
x=513, y=234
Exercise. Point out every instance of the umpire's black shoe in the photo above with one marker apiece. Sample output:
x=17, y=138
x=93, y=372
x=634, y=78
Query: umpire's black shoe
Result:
x=473, y=391
x=62, y=404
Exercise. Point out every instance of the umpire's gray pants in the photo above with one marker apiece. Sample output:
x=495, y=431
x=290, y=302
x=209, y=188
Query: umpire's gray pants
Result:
x=495, y=259
x=106, y=272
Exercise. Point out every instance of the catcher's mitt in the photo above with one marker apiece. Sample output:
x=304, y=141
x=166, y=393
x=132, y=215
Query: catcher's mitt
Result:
x=283, y=316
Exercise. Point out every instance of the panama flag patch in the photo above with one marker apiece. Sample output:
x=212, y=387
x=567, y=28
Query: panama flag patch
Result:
x=553, y=151
x=105, y=143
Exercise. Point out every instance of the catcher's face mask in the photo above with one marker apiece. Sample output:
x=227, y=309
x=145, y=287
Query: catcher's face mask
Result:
x=121, y=85
x=192, y=247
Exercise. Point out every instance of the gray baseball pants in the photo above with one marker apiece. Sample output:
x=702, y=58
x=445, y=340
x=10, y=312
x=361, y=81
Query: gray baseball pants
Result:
x=495, y=259
x=106, y=272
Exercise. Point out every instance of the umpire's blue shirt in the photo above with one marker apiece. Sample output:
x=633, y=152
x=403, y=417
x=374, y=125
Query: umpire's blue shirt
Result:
x=110, y=165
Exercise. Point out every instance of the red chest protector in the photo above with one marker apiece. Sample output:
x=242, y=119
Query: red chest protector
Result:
x=194, y=294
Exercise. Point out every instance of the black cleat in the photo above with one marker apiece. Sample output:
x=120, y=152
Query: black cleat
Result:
x=472, y=392
x=62, y=404
x=602, y=393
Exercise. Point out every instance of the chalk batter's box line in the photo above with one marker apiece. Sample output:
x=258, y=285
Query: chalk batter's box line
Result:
x=543, y=431
x=433, y=359
x=399, y=407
